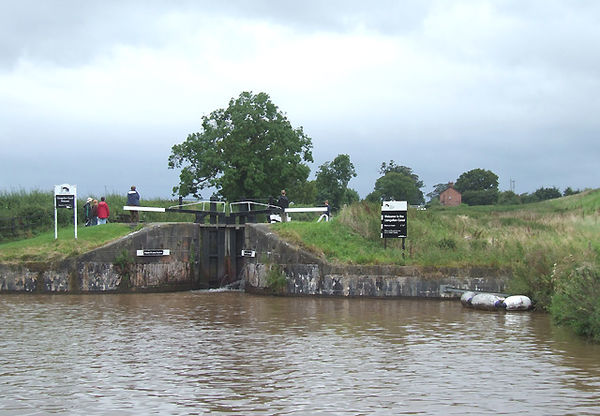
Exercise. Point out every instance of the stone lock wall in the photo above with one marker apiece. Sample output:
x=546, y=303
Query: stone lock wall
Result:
x=101, y=271
x=308, y=274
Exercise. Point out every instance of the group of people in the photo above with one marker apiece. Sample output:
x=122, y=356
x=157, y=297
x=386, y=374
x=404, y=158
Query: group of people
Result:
x=96, y=213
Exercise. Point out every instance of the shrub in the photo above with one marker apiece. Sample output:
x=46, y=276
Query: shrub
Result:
x=533, y=276
x=576, y=302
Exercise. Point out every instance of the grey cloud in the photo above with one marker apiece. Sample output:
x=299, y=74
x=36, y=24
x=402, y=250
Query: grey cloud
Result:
x=68, y=33
x=539, y=35
x=386, y=16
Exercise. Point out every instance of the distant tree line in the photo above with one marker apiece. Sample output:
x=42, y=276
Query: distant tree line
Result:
x=541, y=194
x=480, y=187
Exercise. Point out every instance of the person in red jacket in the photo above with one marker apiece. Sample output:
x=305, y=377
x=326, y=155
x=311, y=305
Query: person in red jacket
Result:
x=103, y=211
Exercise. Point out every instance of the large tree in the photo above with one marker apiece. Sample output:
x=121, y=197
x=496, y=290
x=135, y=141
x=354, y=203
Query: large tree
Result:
x=397, y=183
x=332, y=181
x=405, y=170
x=478, y=187
x=247, y=150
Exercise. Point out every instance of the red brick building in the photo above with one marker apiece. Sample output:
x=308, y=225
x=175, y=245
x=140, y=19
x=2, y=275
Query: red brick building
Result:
x=450, y=197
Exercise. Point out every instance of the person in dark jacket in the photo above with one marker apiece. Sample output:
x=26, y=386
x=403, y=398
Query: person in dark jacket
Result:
x=327, y=215
x=133, y=200
x=283, y=203
x=87, y=212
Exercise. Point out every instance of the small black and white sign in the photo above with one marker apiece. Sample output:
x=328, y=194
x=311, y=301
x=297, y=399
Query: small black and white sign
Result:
x=65, y=201
x=393, y=219
x=248, y=253
x=154, y=252
x=65, y=196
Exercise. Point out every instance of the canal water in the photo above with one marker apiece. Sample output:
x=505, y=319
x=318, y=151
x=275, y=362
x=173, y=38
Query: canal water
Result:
x=231, y=353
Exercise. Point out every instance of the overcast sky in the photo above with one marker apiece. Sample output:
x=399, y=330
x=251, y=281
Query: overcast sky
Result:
x=96, y=93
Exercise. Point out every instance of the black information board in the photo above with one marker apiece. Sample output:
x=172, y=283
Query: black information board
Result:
x=393, y=224
x=393, y=219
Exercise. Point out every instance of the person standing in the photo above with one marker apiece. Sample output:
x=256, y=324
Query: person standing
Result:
x=283, y=203
x=87, y=212
x=133, y=200
x=94, y=212
x=327, y=213
x=103, y=211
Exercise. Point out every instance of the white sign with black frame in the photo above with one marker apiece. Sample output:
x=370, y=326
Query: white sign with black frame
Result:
x=65, y=196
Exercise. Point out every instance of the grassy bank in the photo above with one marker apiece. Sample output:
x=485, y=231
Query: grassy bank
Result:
x=45, y=248
x=497, y=236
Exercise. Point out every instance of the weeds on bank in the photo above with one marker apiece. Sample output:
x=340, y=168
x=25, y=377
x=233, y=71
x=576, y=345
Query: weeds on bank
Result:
x=576, y=302
x=276, y=280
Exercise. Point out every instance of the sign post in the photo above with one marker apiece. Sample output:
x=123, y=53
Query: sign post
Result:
x=393, y=221
x=65, y=196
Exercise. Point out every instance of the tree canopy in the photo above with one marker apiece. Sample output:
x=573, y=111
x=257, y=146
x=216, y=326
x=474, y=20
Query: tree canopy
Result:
x=397, y=183
x=332, y=182
x=478, y=187
x=405, y=170
x=247, y=150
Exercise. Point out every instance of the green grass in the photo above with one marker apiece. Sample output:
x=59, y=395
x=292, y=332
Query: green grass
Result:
x=45, y=248
x=336, y=242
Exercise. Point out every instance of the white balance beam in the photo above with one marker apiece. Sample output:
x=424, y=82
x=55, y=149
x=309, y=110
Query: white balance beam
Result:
x=145, y=209
x=307, y=209
x=156, y=209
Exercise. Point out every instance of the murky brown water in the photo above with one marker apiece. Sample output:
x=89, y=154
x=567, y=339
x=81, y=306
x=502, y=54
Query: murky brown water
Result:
x=232, y=353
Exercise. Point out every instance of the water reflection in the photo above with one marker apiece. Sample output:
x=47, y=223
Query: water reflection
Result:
x=232, y=353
